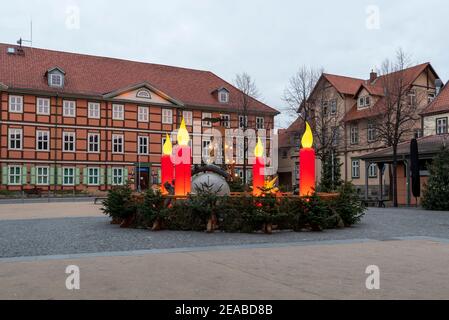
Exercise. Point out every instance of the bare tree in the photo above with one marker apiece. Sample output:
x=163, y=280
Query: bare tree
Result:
x=397, y=113
x=248, y=92
x=299, y=89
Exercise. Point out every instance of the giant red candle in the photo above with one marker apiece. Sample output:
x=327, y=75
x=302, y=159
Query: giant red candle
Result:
x=167, y=167
x=307, y=157
x=258, y=169
x=183, y=162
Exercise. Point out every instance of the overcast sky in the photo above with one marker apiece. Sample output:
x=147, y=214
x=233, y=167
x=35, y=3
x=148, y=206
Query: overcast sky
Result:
x=269, y=40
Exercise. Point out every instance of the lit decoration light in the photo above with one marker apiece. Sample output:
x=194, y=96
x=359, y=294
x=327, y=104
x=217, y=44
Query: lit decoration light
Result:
x=183, y=163
x=258, y=169
x=167, y=167
x=307, y=164
x=271, y=185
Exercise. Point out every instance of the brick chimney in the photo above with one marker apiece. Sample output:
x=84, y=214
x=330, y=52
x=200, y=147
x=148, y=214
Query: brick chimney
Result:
x=372, y=76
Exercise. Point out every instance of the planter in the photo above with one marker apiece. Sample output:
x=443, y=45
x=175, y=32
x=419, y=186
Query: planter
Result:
x=212, y=224
x=127, y=222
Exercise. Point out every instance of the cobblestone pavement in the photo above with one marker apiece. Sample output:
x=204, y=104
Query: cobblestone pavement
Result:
x=71, y=235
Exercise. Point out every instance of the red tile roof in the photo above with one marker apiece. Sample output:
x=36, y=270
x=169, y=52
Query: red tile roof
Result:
x=345, y=85
x=409, y=75
x=97, y=76
x=440, y=104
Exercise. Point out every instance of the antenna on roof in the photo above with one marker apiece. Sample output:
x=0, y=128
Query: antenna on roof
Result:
x=21, y=41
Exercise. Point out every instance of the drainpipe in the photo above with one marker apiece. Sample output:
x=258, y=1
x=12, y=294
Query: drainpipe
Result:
x=407, y=183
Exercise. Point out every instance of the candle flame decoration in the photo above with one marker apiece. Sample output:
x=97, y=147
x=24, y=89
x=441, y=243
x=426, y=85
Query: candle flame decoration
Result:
x=307, y=138
x=183, y=134
x=168, y=147
x=258, y=151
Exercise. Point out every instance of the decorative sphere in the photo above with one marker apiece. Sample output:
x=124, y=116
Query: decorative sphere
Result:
x=217, y=183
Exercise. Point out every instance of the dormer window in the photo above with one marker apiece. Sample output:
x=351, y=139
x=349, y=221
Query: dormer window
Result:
x=364, y=102
x=56, y=77
x=223, y=96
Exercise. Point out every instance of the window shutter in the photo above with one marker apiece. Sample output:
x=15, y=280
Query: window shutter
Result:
x=109, y=181
x=52, y=176
x=59, y=173
x=24, y=175
x=125, y=176
x=85, y=176
x=5, y=174
x=33, y=176
x=77, y=176
x=101, y=176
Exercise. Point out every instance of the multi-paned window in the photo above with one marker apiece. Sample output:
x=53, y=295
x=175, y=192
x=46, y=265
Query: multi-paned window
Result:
x=364, y=102
x=371, y=134
x=42, y=140
x=117, y=143
x=69, y=108
x=14, y=175
x=225, y=120
x=335, y=136
x=412, y=97
x=167, y=116
x=206, y=149
x=117, y=176
x=56, y=80
x=43, y=106
x=16, y=104
x=355, y=168
x=207, y=115
x=143, y=114
x=430, y=97
x=372, y=170
x=333, y=106
x=15, y=139
x=93, y=142
x=118, y=112
x=188, y=117
x=354, y=134
x=68, y=176
x=260, y=123
x=223, y=96
x=243, y=122
x=94, y=110
x=93, y=176
x=42, y=176
x=68, y=144
x=143, y=145
x=441, y=125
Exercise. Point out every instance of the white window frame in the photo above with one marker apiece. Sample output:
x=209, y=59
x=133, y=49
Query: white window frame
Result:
x=43, y=106
x=140, y=145
x=441, y=125
x=223, y=96
x=40, y=176
x=355, y=168
x=93, y=143
x=116, y=178
x=72, y=136
x=205, y=148
x=16, y=104
x=411, y=96
x=59, y=83
x=69, y=108
x=333, y=107
x=205, y=115
x=167, y=116
x=118, y=140
x=17, y=176
x=118, y=112
x=65, y=175
x=431, y=96
x=90, y=176
x=260, y=123
x=143, y=114
x=188, y=117
x=372, y=170
x=15, y=131
x=40, y=135
x=93, y=110
x=226, y=120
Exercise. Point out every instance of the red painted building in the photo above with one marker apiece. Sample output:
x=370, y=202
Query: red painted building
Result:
x=78, y=121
